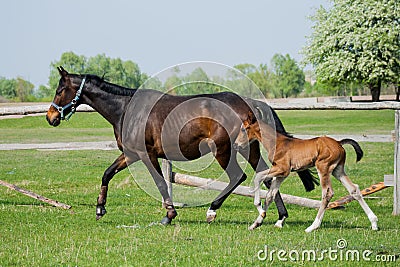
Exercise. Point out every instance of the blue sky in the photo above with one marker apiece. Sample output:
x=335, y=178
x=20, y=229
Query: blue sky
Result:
x=154, y=34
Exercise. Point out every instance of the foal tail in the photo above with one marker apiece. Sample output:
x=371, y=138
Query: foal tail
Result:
x=355, y=145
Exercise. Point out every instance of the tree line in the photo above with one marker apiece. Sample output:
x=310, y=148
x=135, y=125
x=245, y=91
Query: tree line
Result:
x=282, y=78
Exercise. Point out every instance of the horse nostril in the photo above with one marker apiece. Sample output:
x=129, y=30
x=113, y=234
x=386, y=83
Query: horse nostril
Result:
x=53, y=122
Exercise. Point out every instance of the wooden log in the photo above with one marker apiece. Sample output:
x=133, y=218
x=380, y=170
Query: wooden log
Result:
x=210, y=184
x=346, y=199
x=34, y=195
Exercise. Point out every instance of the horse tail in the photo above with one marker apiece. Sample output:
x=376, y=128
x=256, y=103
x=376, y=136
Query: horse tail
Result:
x=355, y=145
x=308, y=179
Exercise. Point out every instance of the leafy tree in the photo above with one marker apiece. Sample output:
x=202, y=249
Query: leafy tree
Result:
x=44, y=92
x=71, y=62
x=115, y=70
x=133, y=76
x=288, y=79
x=357, y=40
x=172, y=84
x=263, y=79
x=8, y=88
x=246, y=68
x=196, y=82
x=260, y=75
x=24, y=90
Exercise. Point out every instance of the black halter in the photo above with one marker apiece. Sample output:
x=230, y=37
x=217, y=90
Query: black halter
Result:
x=72, y=103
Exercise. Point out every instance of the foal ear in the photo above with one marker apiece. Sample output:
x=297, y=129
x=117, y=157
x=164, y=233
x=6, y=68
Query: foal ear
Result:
x=62, y=71
x=251, y=118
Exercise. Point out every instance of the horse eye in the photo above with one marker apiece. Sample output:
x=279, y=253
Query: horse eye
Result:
x=59, y=90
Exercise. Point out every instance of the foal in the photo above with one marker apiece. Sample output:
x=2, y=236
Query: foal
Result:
x=292, y=154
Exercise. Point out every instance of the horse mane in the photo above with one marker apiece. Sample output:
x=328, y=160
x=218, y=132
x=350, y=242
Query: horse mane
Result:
x=110, y=87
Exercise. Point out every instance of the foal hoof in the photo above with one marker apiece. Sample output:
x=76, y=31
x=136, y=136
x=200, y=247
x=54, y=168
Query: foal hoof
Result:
x=254, y=226
x=166, y=220
x=100, y=212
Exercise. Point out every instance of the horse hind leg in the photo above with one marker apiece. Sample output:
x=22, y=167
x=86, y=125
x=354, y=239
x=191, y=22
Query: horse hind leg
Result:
x=155, y=170
x=355, y=192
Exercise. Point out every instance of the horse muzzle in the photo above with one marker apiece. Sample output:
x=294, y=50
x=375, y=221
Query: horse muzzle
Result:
x=53, y=117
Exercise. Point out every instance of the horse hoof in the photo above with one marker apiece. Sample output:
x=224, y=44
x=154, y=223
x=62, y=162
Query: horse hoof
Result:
x=100, y=212
x=211, y=215
x=166, y=220
x=279, y=223
x=210, y=219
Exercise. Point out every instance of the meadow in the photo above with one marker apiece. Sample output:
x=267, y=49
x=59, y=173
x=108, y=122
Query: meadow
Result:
x=33, y=233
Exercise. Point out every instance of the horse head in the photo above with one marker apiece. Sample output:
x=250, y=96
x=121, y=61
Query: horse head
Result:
x=66, y=98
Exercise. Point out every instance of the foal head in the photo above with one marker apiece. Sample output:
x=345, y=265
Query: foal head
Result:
x=249, y=131
x=66, y=97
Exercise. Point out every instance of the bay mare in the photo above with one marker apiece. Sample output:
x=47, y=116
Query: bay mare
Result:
x=139, y=119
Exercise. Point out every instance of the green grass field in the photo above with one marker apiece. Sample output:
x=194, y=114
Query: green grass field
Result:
x=33, y=233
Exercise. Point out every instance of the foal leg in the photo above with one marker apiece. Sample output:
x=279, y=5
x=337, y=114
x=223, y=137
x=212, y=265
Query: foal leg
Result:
x=327, y=194
x=118, y=165
x=260, y=177
x=258, y=164
x=354, y=191
x=275, y=184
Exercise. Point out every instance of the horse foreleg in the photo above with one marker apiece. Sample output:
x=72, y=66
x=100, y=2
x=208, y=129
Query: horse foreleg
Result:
x=217, y=203
x=118, y=165
x=236, y=177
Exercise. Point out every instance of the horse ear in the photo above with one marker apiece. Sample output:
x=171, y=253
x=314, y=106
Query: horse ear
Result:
x=62, y=72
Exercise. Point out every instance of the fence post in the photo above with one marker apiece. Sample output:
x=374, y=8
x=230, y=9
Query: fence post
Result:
x=166, y=167
x=396, y=179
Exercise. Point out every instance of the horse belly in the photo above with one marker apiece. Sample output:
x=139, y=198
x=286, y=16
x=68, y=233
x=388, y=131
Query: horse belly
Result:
x=302, y=159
